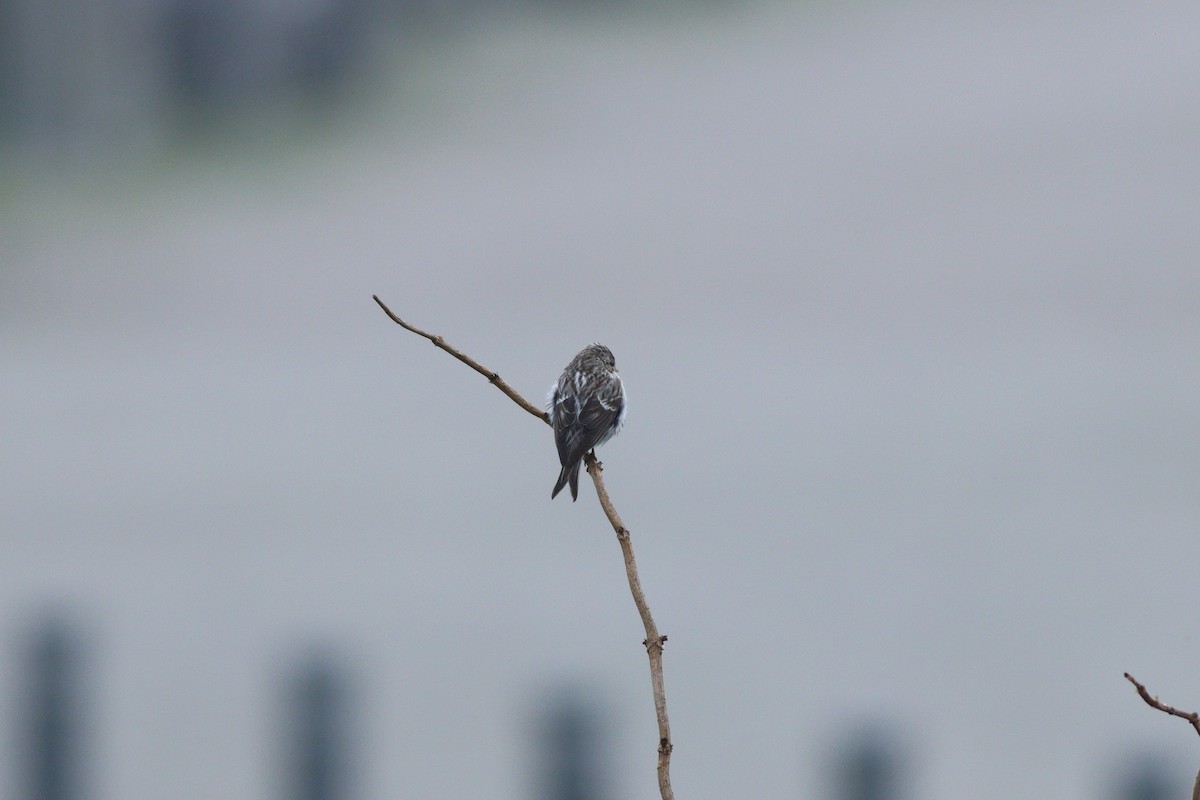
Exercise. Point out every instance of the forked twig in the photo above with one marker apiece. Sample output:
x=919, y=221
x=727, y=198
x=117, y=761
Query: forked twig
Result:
x=1191, y=716
x=654, y=640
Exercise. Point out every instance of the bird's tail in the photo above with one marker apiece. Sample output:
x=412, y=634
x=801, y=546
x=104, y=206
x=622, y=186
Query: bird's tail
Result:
x=569, y=474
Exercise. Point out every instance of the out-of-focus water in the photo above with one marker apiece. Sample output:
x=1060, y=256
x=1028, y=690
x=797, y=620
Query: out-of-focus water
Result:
x=905, y=298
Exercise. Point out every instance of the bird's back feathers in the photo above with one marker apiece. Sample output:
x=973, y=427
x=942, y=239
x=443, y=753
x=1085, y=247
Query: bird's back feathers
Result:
x=587, y=408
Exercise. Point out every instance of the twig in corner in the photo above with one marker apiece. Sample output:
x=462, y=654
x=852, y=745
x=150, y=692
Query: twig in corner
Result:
x=1192, y=717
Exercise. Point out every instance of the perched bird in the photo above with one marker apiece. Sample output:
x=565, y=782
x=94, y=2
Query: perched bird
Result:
x=587, y=408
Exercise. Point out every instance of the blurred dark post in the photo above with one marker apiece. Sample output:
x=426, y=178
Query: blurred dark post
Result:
x=317, y=734
x=199, y=44
x=868, y=768
x=330, y=45
x=573, y=751
x=8, y=68
x=51, y=735
x=1147, y=779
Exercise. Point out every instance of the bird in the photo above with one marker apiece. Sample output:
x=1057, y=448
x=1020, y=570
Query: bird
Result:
x=586, y=408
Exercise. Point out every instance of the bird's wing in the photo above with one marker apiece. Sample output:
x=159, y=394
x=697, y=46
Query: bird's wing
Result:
x=567, y=430
x=598, y=416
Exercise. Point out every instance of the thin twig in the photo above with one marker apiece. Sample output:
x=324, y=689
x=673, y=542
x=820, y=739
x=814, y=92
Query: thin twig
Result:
x=493, y=378
x=1154, y=702
x=1192, y=717
x=654, y=640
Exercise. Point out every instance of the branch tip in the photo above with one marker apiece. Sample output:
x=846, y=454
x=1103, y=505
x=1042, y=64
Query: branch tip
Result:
x=492, y=376
x=1191, y=716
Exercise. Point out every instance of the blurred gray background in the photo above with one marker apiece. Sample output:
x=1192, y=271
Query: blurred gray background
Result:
x=905, y=296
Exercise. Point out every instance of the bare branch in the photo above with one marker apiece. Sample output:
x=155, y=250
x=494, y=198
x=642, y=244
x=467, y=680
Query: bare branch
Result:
x=654, y=640
x=493, y=377
x=1192, y=717
x=1154, y=702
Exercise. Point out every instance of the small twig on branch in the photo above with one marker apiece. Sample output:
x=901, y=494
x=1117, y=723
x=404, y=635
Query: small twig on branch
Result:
x=1154, y=702
x=1192, y=717
x=654, y=640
